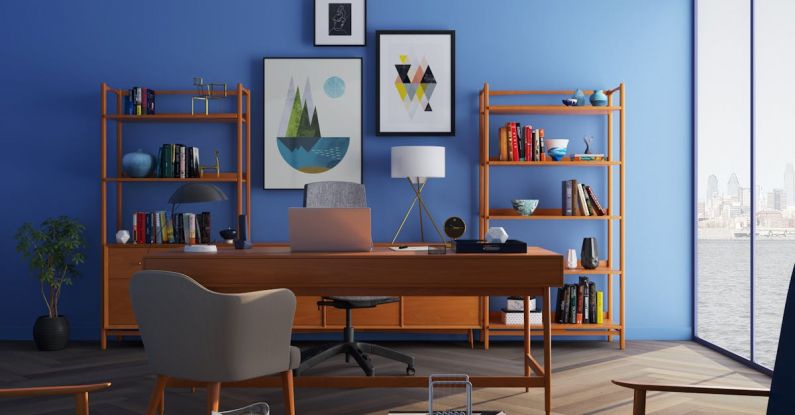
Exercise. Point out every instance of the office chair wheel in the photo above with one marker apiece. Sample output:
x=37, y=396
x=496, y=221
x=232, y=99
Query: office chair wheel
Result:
x=410, y=371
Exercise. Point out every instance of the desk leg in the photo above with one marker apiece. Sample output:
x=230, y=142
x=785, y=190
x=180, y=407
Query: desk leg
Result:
x=546, y=316
x=526, y=334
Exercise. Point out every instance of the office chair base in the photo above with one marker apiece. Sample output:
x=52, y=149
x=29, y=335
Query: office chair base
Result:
x=359, y=351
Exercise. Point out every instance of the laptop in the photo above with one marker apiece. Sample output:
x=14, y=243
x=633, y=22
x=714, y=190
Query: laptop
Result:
x=330, y=229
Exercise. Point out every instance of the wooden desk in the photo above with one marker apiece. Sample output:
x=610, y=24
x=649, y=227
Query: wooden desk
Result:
x=382, y=272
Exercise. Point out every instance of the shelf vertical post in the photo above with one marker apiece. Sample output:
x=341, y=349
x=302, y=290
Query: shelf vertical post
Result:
x=103, y=211
x=239, y=182
x=622, y=169
x=248, y=161
x=119, y=124
x=610, y=211
x=484, y=158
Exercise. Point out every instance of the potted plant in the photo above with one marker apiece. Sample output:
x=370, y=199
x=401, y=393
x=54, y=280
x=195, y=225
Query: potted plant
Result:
x=53, y=251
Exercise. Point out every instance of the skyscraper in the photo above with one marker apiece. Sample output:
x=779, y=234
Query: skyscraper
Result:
x=733, y=187
x=789, y=183
x=777, y=199
x=712, y=187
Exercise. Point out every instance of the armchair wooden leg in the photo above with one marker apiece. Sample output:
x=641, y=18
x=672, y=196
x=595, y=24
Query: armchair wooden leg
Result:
x=639, y=404
x=157, y=395
x=213, y=397
x=81, y=402
x=287, y=389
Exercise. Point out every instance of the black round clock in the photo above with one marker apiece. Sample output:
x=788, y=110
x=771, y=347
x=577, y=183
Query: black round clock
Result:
x=454, y=227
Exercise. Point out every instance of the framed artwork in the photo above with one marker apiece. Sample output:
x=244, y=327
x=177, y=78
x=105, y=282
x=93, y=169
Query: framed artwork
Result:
x=312, y=121
x=340, y=22
x=415, y=74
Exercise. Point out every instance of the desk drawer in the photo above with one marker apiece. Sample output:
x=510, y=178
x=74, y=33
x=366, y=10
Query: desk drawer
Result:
x=441, y=311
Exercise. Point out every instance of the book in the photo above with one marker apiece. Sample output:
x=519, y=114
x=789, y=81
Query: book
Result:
x=158, y=228
x=559, y=306
x=566, y=303
x=579, y=291
x=592, y=301
x=543, y=146
x=572, y=304
x=514, y=142
x=597, y=206
x=575, y=199
x=581, y=197
x=150, y=101
x=509, y=140
x=528, y=141
x=587, y=157
x=567, y=198
x=586, y=300
x=503, y=144
x=600, y=317
x=135, y=228
x=520, y=140
x=537, y=143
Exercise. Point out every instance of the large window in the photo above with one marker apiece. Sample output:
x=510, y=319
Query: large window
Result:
x=745, y=179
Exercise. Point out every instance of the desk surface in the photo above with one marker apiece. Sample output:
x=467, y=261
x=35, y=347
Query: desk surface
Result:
x=378, y=272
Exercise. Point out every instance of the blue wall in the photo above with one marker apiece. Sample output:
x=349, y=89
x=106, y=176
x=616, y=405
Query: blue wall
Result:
x=55, y=55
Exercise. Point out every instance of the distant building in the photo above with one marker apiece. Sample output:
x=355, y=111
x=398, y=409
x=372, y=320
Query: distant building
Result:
x=712, y=187
x=789, y=184
x=777, y=200
x=733, y=187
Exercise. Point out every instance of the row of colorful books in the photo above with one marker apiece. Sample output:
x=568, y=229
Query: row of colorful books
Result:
x=580, y=200
x=522, y=143
x=580, y=303
x=139, y=101
x=162, y=228
x=177, y=161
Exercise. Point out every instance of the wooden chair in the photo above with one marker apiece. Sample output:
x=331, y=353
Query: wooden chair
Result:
x=192, y=333
x=80, y=393
x=781, y=397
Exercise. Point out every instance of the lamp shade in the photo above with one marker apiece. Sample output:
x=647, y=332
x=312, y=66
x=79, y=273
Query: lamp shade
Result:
x=197, y=193
x=417, y=161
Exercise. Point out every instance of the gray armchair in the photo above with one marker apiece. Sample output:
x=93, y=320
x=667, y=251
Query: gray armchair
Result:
x=192, y=333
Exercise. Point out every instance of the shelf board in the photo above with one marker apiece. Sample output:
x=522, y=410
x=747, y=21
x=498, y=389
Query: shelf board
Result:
x=541, y=214
x=551, y=109
x=562, y=163
x=209, y=178
x=495, y=323
x=220, y=117
x=601, y=270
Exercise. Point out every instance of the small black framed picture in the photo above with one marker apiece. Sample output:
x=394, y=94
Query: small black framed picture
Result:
x=415, y=74
x=340, y=22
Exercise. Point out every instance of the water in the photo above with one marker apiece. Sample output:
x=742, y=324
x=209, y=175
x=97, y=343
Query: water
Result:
x=723, y=294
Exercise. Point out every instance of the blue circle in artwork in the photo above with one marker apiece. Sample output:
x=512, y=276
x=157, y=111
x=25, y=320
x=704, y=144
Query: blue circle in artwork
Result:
x=334, y=87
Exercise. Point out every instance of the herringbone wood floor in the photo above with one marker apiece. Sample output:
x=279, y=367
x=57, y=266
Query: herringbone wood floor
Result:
x=581, y=380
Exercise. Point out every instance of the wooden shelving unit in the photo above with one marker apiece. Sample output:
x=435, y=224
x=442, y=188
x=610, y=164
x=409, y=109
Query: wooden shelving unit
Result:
x=119, y=262
x=614, y=265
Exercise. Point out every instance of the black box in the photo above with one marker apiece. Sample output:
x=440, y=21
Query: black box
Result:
x=479, y=246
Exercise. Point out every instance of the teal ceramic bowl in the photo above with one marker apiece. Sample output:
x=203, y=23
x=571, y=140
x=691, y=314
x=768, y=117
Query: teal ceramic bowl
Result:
x=525, y=207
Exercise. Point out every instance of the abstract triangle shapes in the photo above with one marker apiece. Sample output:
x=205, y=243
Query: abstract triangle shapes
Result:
x=411, y=89
x=403, y=72
x=403, y=58
x=427, y=77
x=417, y=78
x=401, y=89
x=428, y=107
x=427, y=89
x=420, y=92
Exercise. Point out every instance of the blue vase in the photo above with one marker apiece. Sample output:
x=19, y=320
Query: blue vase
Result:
x=580, y=97
x=138, y=164
x=598, y=98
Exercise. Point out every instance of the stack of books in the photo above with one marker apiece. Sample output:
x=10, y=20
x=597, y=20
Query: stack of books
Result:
x=513, y=313
x=161, y=228
x=587, y=157
x=177, y=161
x=580, y=200
x=139, y=101
x=522, y=143
x=580, y=303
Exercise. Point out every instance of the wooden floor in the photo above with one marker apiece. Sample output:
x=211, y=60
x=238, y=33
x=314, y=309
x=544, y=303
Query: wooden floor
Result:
x=581, y=380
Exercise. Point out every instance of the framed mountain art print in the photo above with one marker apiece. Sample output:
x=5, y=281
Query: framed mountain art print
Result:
x=312, y=121
x=415, y=74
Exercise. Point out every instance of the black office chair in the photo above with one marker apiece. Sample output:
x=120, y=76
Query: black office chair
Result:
x=347, y=195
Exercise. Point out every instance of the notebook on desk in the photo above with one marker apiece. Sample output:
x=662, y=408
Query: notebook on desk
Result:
x=330, y=229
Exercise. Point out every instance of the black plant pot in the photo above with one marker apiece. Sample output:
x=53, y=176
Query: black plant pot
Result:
x=589, y=256
x=51, y=333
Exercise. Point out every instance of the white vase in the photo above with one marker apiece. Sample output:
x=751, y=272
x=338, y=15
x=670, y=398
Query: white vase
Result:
x=122, y=236
x=571, y=259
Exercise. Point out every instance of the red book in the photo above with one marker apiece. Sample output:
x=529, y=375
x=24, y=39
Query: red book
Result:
x=515, y=141
x=579, y=304
x=528, y=142
x=596, y=204
x=141, y=237
x=510, y=141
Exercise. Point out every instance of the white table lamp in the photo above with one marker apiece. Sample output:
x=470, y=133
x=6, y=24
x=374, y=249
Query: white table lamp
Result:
x=417, y=164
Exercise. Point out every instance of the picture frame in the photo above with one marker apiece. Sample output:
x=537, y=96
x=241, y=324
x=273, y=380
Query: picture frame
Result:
x=340, y=22
x=312, y=121
x=415, y=78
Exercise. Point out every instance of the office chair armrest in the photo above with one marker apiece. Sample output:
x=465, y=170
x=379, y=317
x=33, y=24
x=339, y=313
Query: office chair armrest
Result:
x=53, y=390
x=715, y=390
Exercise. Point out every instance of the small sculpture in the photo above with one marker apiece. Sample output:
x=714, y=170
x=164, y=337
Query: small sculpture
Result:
x=571, y=259
x=570, y=102
x=580, y=97
x=496, y=235
x=122, y=236
x=216, y=167
x=598, y=98
x=588, y=140
x=206, y=92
